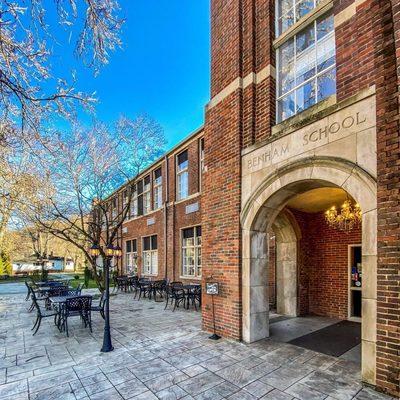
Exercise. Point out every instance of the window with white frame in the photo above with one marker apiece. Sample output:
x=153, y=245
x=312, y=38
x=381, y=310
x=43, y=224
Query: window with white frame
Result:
x=134, y=202
x=146, y=195
x=201, y=162
x=182, y=176
x=125, y=199
x=191, y=252
x=131, y=256
x=157, y=188
x=114, y=211
x=150, y=255
x=290, y=11
x=306, y=68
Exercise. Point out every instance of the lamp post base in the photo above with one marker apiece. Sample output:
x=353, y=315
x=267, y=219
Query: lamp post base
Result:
x=215, y=337
x=107, y=349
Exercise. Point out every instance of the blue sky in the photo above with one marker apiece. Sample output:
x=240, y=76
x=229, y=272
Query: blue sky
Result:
x=163, y=69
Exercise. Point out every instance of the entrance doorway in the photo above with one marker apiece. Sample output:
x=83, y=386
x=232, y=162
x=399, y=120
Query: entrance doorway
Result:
x=315, y=273
x=276, y=205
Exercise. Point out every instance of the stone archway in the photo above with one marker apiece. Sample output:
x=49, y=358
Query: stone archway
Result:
x=287, y=234
x=260, y=213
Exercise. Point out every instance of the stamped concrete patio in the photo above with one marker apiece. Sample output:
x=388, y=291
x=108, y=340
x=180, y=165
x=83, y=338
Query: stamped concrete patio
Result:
x=159, y=355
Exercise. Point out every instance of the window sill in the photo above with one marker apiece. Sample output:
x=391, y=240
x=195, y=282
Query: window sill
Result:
x=142, y=216
x=321, y=9
x=192, y=196
x=304, y=117
x=193, y=278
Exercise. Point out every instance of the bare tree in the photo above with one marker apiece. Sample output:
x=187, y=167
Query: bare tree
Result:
x=86, y=167
x=19, y=185
x=29, y=32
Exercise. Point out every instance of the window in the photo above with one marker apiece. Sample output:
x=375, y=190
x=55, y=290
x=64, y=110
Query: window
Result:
x=182, y=176
x=157, y=188
x=125, y=199
x=150, y=255
x=147, y=195
x=306, y=68
x=134, y=202
x=201, y=161
x=114, y=211
x=191, y=252
x=131, y=256
x=140, y=198
x=290, y=11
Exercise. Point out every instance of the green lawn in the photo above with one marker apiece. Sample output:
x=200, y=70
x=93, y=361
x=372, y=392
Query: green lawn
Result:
x=74, y=282
x=13, y=279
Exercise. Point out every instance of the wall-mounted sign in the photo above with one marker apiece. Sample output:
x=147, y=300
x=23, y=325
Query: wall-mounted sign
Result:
x=212, y=288
x=191, y=208
x=151, y=221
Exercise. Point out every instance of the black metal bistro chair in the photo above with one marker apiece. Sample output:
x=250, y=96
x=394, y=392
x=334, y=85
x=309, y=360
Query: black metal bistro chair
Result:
x=159, y=288
x=145, y=288
x=178, y=296
x=38, y=297
x=100, y=307
x=40, y=313
x=135, y=286
x=168, y=291
x=77, y=307
x=194, y=296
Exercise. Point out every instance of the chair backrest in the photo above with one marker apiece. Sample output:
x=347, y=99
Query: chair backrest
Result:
x=176, y=284
x=79, y=303
x=86, y=302
x=28, y=287
x=102, y=300
x=177, y=291
x=79, y=288
x=73, y=304
x=34, y=300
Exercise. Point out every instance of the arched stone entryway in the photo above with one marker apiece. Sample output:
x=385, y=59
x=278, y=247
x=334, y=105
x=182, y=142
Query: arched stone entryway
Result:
x=262, y=211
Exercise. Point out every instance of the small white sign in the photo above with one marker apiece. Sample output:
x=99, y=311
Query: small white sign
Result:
x=191, y=208
x=151, y=221
x=212, y=288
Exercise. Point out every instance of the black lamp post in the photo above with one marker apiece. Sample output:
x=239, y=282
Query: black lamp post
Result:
x=110, y=252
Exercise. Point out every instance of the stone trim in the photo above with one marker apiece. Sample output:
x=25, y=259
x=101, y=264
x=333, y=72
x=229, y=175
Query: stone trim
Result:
x=242, y=83
x=310, y=115
x=347, y=13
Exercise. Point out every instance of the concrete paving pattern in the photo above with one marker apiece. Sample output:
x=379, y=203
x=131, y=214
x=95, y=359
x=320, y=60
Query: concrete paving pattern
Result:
x=159, y=355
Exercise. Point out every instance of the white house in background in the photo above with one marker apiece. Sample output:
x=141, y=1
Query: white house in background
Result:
x=55, y=264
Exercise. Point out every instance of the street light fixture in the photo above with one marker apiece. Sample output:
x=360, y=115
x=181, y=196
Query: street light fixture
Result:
x=110, y=252
x=95, y=250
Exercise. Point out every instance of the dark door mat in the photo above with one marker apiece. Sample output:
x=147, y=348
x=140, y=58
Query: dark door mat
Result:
x=333, y=340
x=280, y=318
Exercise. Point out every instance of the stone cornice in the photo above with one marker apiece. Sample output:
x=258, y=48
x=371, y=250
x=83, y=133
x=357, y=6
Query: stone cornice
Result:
x=242, y=83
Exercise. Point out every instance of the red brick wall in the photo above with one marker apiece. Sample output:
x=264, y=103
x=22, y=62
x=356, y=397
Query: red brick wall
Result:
x=323, y=266
x=387, y=54
x=221, y=215
x=169, y=252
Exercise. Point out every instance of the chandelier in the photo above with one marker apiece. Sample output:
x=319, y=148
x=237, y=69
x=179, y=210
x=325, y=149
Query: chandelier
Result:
x=345, y=218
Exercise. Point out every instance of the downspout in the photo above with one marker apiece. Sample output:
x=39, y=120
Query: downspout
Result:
x=166, y=218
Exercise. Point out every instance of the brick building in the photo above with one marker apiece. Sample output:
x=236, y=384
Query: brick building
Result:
x=165, y=216
x=304, y=115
